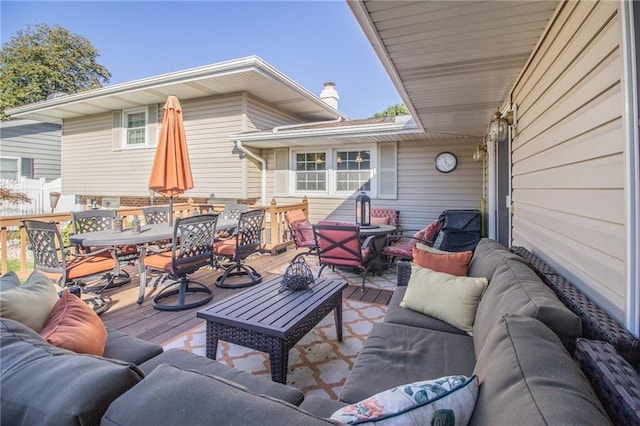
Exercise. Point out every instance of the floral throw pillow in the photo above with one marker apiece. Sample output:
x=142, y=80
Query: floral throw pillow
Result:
x=446, y=401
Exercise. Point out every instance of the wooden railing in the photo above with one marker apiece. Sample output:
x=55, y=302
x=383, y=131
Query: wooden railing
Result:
x=276, y=236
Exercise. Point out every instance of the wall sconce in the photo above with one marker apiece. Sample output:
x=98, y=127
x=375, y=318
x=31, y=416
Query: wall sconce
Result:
x=319, y=159
x=358, y=158
x=481, y=151
x=363, y=209
x=339, y=159
x=54, y=197
x=499, y=126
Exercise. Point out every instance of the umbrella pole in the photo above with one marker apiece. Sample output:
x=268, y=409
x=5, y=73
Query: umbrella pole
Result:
x=171, y=210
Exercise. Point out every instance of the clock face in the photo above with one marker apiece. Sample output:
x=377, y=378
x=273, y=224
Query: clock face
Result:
x=446, y=162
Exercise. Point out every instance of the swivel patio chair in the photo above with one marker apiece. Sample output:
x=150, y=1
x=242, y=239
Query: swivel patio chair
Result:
x=246, y=241
x=155, y=214
x=191, y=249
x=51, y=256
x=301, y=232
x=101, y=220
x=401, y=245
x=340, y=245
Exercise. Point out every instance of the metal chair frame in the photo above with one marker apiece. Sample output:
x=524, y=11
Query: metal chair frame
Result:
x=155, y=214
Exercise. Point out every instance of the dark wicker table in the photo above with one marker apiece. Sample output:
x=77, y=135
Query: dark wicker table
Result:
x=266, y=320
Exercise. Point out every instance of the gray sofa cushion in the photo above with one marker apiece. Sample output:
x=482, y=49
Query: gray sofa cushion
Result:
x=189, y=361
x=516, y=289
x=172, y=396
x=487, y=256
x=398, y=354
x=45, y=385
x=321, y=406
x=396, y=314
x=528, y=378
x=128, y=348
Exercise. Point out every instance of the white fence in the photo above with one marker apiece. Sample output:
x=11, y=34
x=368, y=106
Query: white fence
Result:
x=38, y=192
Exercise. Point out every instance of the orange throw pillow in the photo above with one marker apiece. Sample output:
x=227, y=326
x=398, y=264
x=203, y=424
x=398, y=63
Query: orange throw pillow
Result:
x=73, y=325
x=454, y=263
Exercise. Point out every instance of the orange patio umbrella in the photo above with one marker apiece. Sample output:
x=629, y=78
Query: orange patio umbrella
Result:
x=171, y=171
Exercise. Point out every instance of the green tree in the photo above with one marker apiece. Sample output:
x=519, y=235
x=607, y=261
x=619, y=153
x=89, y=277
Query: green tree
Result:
x=43, y=60
x=392, y=110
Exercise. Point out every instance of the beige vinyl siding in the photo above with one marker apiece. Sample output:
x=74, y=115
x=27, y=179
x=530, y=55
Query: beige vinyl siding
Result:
x=568, y=153
x=91, y=166
x=39, y=141
x=262, y=116
x=423, y=192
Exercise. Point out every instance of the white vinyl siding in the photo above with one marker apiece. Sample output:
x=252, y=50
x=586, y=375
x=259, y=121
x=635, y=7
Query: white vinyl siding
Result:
x=568, y=153
x=35, y=143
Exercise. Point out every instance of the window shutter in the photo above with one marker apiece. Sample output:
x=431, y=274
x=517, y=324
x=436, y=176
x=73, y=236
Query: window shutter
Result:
x=116, y=138
x=388, y=170
x=281, y=178
x=27, y=167
x=152, y=126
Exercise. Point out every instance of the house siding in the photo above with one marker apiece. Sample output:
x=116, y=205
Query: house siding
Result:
x=568, y=153
x=40, y=141
x=208, y=123
x=423, y=192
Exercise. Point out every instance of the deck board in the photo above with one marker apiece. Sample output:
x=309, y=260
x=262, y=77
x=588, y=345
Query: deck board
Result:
x=148, y=323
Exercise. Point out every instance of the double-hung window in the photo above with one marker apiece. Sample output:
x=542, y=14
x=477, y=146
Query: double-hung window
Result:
x=135, y=125
x=310, y=171
x=353, y=170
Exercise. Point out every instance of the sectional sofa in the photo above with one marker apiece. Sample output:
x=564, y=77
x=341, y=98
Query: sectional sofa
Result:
x=519, y=348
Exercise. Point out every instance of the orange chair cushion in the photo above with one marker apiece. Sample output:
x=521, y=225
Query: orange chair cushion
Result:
x=225, y=248
x=159, y=261
x=73, y=325
x=455, y=263
x=90, y=265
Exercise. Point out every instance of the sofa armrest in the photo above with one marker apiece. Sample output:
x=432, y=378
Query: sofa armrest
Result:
x=615, y=382
x=404, y=272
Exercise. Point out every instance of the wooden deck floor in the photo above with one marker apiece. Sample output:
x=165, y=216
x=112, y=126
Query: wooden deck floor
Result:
x=148, y=323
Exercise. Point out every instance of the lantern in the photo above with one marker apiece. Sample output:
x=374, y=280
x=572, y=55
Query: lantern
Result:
x=363, y=209
x=53, y=200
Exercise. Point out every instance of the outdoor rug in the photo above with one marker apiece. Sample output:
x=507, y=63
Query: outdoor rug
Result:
x=318, y=364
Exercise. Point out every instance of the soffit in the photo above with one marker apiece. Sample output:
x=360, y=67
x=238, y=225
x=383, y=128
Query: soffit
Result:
x=454, y=62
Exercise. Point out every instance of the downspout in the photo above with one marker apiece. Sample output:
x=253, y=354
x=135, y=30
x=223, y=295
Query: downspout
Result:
x=263, y=170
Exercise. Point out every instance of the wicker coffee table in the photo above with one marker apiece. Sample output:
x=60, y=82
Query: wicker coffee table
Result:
x=266, y=320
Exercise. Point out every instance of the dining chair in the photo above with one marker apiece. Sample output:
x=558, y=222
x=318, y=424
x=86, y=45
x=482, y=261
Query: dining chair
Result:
x=50, y=255
x=301, y=232
x=340, y=245
x=101, y=220
x=401, y=245
x=191, y=249
x=246, y=241
x=383, y=216
x=155, y=214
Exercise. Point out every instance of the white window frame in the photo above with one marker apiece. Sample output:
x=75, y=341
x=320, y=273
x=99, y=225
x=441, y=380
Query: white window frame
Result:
x=19, y=164
x=330, y=155
x=125, y=139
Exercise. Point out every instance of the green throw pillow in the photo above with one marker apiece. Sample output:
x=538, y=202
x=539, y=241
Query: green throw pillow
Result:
x=445, y=401
x=29, y=303
x=446, y=297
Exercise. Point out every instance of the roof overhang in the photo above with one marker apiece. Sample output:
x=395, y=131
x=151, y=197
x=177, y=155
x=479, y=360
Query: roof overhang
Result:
x=454, y=62
x=250, y=74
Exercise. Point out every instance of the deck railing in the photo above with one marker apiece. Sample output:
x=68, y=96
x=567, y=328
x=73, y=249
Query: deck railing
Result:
x=276, y=235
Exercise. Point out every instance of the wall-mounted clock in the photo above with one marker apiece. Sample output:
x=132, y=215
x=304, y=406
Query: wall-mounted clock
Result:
x=446, y=162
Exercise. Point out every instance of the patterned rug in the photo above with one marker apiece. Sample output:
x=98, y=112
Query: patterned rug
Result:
x=318, y=364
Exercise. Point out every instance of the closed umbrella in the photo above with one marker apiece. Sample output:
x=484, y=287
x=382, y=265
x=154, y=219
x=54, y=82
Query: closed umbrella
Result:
x=171, y=171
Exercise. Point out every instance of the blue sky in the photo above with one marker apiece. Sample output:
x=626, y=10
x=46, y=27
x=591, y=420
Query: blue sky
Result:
x=310, y=41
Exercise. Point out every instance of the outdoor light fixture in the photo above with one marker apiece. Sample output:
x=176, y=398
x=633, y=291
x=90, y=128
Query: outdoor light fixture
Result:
x=481, y=151
x=358, y=158
x=363, y=210
x=339, y=159
x=53, y=200
x=319, y=159
x=499, y=126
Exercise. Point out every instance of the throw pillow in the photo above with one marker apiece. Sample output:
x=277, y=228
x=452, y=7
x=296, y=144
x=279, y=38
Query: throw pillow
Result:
x=29, y=303
x=454, y=263
x=446, y=401
x=73, y=325
x=380, y=220
x=446, y=297
x=432, y=249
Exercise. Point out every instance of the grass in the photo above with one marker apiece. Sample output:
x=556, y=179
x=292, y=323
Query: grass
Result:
x=14, y=265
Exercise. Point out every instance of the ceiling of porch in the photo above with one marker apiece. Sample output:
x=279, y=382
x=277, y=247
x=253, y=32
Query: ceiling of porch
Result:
x=453, y=62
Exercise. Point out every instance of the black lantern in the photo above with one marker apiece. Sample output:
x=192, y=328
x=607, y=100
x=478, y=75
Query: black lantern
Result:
x=363, y=209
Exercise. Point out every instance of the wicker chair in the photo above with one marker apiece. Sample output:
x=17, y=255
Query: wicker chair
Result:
x=301, y=232
x=246, y=240
x=191, y=249
x=340, y=245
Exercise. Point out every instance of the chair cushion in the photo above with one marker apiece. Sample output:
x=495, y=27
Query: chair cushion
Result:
x=41, y=384
x=128, y=348
x=73, y=325
x=405, y=355
x=302, y=232
x=225, y=248
x=80, y=267
x=451, y=299
x=453, y=263
x=447, y=400
x=172, y=396
x=527, y=376
x=29, y=303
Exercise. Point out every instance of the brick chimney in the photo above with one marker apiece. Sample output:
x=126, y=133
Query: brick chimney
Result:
x=329, y=94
